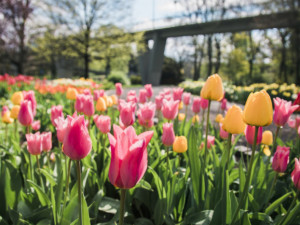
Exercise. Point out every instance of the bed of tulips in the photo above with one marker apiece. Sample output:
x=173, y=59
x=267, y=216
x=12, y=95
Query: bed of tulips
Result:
x=89, y=158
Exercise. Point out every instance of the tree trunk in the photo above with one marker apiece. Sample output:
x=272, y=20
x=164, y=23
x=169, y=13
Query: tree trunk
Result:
x=218, y=48
x=209, y=54
x=252, y=56
x=86, y=53
x=283, y=67
x=53, y=67
x=107, y=67
x=297, y=54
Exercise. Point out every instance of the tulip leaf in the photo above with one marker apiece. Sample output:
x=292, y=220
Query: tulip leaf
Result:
x=48, y=176
x=202, y=218
x=41, y=195
x=294, y=212
x=277, y=203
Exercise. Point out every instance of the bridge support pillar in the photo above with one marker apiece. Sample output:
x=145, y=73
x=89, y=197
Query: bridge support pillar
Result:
x=151, y=62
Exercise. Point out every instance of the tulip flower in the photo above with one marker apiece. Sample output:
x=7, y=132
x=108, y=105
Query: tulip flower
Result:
x=196, y=105
x=98, y=93
x=14, y=112
x=86, y=91
x=186, y=98
x=6, y=118
x=180, y=106
x=71, y=93
x=143, y=122
x=258, y=110
x=147, y=111
x=294, y=123
x=127, y=114
x=77, y=143
x=119, y=89
x=25, y=116
x=181, y=116
x=101, y=105
x=131, y=96
x=4, y=110
x=267, y=138
x=170, y=109
x=250, y=132
x=158, y=102
x=56, y=111
x=61, y=127
x=17, y=98
x=180, y=144
x=88, y=106
x=168, y=135
x=210, y=142
x=46, y=141
x=149, y=90
x=297, y=102
x=102, y=123
x=296, y=174
x=79, y=103
x=282, y=111
x=233, y=121
x=223, y=134
x=29, y=95
x=213, y=88
x=195, y=119
x=142, y=96
x=177, y=94
x=224, y=104
x=281, y=159
x=34, y=143
x=219, y=118
x=36, y=125
x=204, y=103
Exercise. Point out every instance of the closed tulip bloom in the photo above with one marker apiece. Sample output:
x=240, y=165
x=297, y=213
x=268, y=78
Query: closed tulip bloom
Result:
x=101, y=105
x=102, y=123
x=195, y=119
x=196, y=105
x=129, y=156
x=181, y=116
x=210, y=142
x=186, y=98
x=71, y=93
x=114, y=99
x=56, y=111
x=142, y=96
x=17, y=98
x=219, y=118
x=61, y=127
x=119, y=89
x=250, y=132
x=147, y=110
x=204, y=103
x=36, y=125
x=79, y=103
x=180, y=144
x=25, y=116
x=224, y=104
x=158, y=102
x=143, y=122
x=14, y=112
x=34, y=143
x=282, y=111
x=213, y=88
x=88, y=105
x=281, y=159
x=149, y=90
x=86, y=91
x=296, y=174
x=127, y=114
x=258, y=110
x=6, y=118
x=131, y=96
x=77, y=143
x=98, y=94
x=109, y=101
x=223, y=134
x=177, y=94
x=30, y=96
x=233, y=121
x=46, y=141
x=168, y=135
x=180, y=106
x=267, y=138
x=170, y=109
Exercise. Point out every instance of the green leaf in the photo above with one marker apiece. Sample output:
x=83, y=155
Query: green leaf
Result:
x=41, y=195
x=277, y=203
x=294, y=212
x=48, y=176
x=202, y=218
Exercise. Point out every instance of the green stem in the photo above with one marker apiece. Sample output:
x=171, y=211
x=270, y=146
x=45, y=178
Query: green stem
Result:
x=206, y=134
x=168, y=160
x=243, y=198
x=79, y=191
x=67, y=189
x=48, y=160
x=16, y=127
x=290, y=208
x=122, y=206
x=275, y=138
x=39, y=172
x=6, y=131
x=272, y=188
x=228, y=149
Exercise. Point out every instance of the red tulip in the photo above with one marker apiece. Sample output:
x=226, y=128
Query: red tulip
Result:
x=25, y=116
x=281, y=159
x=250, y=132
x=128, y=156
x=296, y=174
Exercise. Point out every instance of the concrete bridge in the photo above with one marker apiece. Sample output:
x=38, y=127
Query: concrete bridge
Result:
x=151, y=61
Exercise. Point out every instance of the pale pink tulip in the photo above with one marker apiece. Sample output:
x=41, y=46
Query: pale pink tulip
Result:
x=61, y=127
x=103, y=123
x=147, y=111
x=186, y=98
x=56, y=111
x=158, y=102
x=296, y=174
x=149, y=90
x=34, y=143
x=142, y=96
x=170, y=109
x=177, y=94
x=98, y=94
x=281, y=159
x=46, y=141
x=168, y=135
x=282, y=111
x=36, y=125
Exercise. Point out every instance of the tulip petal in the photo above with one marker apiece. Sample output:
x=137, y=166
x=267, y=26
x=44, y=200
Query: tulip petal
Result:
x=146, y=135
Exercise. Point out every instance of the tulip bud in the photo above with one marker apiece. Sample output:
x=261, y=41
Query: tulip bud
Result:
x=180, y=106
x=296, y=174
x=14, y=112
x=56, y=111
x=250, y=133
x=233, y=121
x=102, y=123
x=186, y=98
x=177, y=94
x=119, y=89
x=114, y=99
x=258, y=110
x=224, y=104
x=88, y=106
x=4, y=110
x=77, y=143
x=101, y=105
x=195, y=119
x=98, y=93
x=147, y=111
x=196, y=105
x=142, y=96
x=223, y=133
x=34, y=143
x=181, y=116
x=180, y=144
x=25, y=116
x=282, y=111
x=127, y=114
x=36, y=125
x=281, y=159
x=168, y=135
x=46, y=141
x=71, y=93
x=267, y=138
x=204, y=103
x=149, y=90
x=17, y=98
x=213, y=88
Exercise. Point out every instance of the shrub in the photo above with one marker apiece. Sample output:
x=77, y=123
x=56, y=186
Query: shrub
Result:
x=118, y=77
x=135, y=79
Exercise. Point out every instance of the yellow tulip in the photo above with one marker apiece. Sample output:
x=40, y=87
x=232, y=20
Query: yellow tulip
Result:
x=114, y=99
x=258, y=110
x=17, y=98
x=180, y=144
x=219, y=118
x=14, y=112
x=71, y=93
x=266, y=150
x=233, y=122
x=180, y=106
x=181, y=116
x=101, y=105
x=195, y=119
x=109, y=101
x=213, y=88
x=267, y=138
x=6, y=118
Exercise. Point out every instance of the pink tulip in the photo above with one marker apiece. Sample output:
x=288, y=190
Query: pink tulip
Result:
x=170, y=109
x=88, y=105
x=61, y=127
x=196, y=105
x=77, y=143
x=128, y=156
x=224, y=104
x=79, y=103
x=102, y=123
x=168, y=135
x=186, y=98
x=177, y=94
x=167, y=91
x=294, y=123
x=98, y=94
x=281, y=159
x=282, y=111
x=143, y=122
x=86, y=91
x=204, y=103
x=25, y=116
x=127, y=114
x=149, y=90
x=36, y=125
x=4, y=110
x=296, y=174
x=250, y=132
x=46, y=141
x=131, y=96
x=56, y=111
x=142, y=96
x=210, y=142
x=299, y=131
x=147, y=111
x=223, y=133
x=119, y=89
x=34, y=143
x=29, y=95
x=158, y=102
